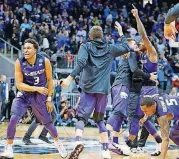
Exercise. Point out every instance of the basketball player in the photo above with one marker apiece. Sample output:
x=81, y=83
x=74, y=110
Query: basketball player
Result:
x=35, y=123
x=33, y=75
x=148, y=61
x=120, y=90
x=94, y=62
x=166, y=108
x=171, y=27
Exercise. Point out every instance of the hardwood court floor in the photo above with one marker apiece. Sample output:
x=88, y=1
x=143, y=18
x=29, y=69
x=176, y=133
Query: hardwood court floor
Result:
x=47, y=151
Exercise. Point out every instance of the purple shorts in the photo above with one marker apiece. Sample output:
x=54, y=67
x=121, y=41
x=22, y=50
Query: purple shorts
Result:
x=34, y=100
x=120, y=100
x=90, y=102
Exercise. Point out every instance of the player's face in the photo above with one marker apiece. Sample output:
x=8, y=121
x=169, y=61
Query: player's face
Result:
x=133, y=45
x=142, y=47
x=29, y=51
x=149, y=110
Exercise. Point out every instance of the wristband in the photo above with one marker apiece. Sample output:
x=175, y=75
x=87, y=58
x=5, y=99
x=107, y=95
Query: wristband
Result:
x=49, y=99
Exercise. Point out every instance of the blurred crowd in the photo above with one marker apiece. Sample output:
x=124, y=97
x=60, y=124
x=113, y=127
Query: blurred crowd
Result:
x=60, y=26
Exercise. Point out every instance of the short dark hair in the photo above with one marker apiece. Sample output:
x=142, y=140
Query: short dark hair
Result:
x=147, y=101
x=34, y=42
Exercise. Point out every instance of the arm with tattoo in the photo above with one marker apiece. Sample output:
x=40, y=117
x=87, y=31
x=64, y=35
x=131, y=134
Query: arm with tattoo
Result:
x=164, y=128
x=153, y=56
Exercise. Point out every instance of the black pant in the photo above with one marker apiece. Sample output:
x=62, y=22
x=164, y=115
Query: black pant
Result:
x=7, y=107
x=143, y=137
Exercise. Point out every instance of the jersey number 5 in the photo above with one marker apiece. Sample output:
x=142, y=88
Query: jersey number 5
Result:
x=36, y=80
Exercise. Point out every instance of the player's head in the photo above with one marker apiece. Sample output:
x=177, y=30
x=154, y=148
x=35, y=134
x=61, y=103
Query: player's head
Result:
x=96, y=32
x=30, y=48
x=132, y=44
x=143, y=48
x=2, y=78
x=148, y=105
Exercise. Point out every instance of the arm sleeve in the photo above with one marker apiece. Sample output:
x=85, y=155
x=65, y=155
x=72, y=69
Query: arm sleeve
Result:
x=172, y=14
x=134, y=67
x=81, y=61
x=139, y=73
x=121, y=49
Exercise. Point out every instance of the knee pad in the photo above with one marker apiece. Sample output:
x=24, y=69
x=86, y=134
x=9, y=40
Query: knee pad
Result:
x=134, y=127
x=85, y=120
x=115, y=121
x=80, y=124
x=158, y=139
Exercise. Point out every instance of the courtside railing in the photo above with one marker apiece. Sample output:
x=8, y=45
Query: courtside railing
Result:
x=9, y=50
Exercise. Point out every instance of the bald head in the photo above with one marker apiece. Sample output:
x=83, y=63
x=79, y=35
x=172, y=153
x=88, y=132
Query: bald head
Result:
x=2, y=78
x=96, y=32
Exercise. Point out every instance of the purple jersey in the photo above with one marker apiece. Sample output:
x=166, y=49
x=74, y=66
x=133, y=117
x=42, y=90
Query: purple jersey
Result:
x=34, y=75
x=167, y=104
x=147, y=66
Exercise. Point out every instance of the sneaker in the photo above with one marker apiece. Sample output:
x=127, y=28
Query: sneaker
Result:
x=8, y=153
x=157, y=152
x=106, y=154
x=45, y=139
x=115, y=148
x=141, y=149
x=26, y=140
x=125, y=150
x=77, y=150
x=3, y=118
x=62, y=151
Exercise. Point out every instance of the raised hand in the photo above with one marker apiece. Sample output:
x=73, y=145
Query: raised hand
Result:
x=135, y=11
x=119, y=28
x=169, y=32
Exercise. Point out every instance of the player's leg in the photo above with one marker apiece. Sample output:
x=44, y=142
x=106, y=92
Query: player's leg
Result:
x=153, y=131
x=28, y=134
x=40, y=111
x=43, y=134
x=19, y=107
x=174, y=133
x=119, y=111
x=84, y=110
x=98, y=117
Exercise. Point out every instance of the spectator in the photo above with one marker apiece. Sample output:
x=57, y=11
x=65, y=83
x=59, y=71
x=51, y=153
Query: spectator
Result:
x=4, y=94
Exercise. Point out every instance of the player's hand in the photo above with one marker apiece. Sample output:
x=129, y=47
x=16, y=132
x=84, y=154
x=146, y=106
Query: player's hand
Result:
x=66, y=82
x=119, y=28
x=169, y=32
x=125, y=56
x=142, y=121
x=42, y=90
x=153, y=76
x=135, y=11
x=49, y=106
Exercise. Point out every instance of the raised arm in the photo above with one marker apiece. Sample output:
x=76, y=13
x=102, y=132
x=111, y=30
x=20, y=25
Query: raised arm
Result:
x=164, y=128
x=123, y=47
x=172, y=14
x=152, y=53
